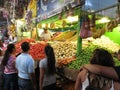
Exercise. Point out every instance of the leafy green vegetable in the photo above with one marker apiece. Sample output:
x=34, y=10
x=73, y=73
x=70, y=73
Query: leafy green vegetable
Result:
x=85, y=55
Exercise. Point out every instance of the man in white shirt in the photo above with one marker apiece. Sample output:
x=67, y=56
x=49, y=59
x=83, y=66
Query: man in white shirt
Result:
x=46, y=35
x=25, y=67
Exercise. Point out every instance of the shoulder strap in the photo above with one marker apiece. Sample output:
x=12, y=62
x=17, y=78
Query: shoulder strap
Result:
x=112, y=88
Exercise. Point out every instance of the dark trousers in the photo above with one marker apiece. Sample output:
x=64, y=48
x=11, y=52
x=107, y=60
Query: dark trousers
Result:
x=1, y=77
x=37, y=73
x=50, y=87
x=25, y=84
x=11, y=81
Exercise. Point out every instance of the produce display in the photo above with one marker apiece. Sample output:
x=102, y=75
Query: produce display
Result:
x=106, y=43
x=36, y=48
x=65, y=52
x=85, y=56
x=65, y=35
x=73, y=38
x=12, y=30
x=56, y=34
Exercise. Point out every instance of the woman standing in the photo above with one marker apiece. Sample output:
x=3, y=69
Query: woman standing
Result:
x=10, y=72
x=47, y=70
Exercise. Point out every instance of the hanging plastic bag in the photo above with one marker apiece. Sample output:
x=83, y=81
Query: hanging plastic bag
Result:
x=85, y=27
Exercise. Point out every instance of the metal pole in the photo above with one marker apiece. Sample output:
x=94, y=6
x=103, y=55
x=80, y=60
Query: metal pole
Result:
x=115, y=5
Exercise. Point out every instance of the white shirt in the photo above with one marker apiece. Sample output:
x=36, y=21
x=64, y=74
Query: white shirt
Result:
x=24, y=65
x=46, y=36
x=48, y=80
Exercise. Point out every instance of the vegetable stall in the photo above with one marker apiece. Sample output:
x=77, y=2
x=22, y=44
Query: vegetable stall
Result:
x=77, y=33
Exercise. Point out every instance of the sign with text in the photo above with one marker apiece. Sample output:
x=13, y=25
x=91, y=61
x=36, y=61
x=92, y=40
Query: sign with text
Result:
x=49, y=8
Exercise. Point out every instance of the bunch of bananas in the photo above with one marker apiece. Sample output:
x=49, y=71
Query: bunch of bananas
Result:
x=65, y=35
x=33, y=7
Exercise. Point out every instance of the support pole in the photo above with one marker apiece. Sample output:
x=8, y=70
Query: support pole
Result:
x=79, y=39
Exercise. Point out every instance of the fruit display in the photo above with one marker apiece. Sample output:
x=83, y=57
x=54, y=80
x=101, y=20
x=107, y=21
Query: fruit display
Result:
x=12, y=29
x=73, y=38
x=27, y=40
x=36, y=48
x=98, y=33
x=56, y=34
x=65, y=35
x=65, y=52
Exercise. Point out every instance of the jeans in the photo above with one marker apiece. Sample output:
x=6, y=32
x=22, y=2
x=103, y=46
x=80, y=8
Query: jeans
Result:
x=11, y=81
x=25, y=84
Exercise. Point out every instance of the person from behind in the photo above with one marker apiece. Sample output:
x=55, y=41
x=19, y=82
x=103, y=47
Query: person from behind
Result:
x=25, y=67
x=111, y=72
x=46, y=35
x=47, y=70
x=10, y=72
x=89, y=81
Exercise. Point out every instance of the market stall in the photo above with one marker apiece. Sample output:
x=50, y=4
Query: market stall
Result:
x=76, y=31
x=73, y=38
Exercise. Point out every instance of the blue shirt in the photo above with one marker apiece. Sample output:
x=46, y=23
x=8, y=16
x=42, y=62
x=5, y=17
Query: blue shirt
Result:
x=24, y=65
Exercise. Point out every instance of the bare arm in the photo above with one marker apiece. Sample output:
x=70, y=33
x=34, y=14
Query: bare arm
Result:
x=81, y=78
x=41, y=78
x=78, y=84
x=102, y=70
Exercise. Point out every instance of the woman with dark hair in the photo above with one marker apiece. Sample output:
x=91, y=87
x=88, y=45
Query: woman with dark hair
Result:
x=10, y=72
x=111, y=72
x=89, y=81
x=47, y=70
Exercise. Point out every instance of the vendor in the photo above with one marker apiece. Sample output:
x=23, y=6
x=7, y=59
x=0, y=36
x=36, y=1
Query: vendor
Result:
x=45, y=35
